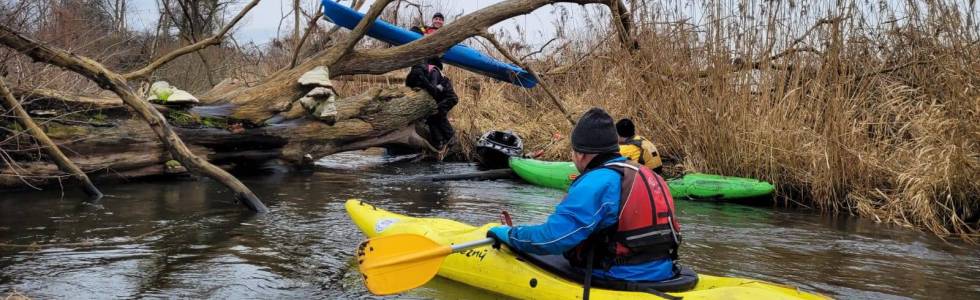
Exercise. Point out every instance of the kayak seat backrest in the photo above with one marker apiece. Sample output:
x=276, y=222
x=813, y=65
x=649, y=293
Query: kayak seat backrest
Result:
x=684, y=280
x=504, y=142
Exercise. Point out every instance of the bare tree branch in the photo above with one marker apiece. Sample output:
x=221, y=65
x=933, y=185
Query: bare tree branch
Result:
x=564, y=68
x=260, y=102
x=15, y=170
x=554, y=98
x=299, y=45
x=890, y=69
x=335, y=53
x=53, y=151
x=384, y=60
x=740, y=64
x=296, y=13
x=539, y=49
x=624, y=24
x=114, y=82
x=211, y=41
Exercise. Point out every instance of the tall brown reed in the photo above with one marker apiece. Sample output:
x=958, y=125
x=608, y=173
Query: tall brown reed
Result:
x=858, y=109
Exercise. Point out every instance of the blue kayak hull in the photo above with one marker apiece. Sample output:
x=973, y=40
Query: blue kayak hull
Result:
x=459, y=55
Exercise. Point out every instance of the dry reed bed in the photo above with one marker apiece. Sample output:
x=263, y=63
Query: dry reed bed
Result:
x=881, y=124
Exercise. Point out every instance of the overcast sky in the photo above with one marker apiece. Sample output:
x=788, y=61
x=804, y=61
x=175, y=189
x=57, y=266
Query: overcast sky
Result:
x=263, y=22
x=266, y=20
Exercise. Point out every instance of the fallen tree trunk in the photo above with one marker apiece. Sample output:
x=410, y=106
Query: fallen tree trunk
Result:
x=123, y=147
x=261, y=122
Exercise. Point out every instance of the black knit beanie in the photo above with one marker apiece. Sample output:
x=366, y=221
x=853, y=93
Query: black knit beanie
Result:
x=595, y=133
x=625, y=128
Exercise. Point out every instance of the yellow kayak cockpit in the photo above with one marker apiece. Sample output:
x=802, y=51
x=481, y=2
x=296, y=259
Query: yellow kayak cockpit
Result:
x=503, y=272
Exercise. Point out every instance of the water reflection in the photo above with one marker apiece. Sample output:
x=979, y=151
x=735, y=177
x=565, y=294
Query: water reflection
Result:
x=204, y=246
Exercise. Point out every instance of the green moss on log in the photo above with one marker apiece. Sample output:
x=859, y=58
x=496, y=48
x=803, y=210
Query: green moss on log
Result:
x=60, y=131
x=187, y=119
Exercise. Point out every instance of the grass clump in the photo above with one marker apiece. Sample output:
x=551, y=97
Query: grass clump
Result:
x=60, y=131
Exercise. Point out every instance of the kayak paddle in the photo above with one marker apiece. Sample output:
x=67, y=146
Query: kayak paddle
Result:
x=400, y=262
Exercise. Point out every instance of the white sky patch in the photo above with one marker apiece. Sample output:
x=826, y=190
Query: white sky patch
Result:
x=271, y=18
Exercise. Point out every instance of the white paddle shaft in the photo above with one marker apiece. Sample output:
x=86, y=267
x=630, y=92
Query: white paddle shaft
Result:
x=471, y=245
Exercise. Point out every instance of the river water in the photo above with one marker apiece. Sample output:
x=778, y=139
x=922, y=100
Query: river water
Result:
x=185, y=239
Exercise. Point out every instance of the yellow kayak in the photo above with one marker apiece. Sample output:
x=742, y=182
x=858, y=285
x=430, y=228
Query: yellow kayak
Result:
x=503, y=272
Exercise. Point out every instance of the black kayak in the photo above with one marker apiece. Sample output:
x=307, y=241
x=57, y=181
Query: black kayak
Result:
x=495, y=148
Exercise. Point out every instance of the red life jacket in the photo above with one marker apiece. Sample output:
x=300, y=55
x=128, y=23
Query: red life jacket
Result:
x=647, y=230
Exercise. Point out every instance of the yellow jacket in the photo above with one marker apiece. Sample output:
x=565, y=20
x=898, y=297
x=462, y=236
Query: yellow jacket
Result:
x=641, y=151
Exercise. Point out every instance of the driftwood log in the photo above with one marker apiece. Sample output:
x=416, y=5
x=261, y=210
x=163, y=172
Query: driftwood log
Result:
x=125, y=147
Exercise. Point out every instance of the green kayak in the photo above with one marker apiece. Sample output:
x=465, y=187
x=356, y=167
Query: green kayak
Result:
x=559, y=175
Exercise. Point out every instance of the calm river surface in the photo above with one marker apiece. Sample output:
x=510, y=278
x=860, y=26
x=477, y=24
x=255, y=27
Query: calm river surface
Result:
x=194, y=243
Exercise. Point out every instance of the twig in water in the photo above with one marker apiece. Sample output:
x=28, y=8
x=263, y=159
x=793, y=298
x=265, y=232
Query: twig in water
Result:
x=15, y=295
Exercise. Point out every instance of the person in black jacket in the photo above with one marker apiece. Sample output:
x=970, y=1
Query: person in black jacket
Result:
x=428, y=76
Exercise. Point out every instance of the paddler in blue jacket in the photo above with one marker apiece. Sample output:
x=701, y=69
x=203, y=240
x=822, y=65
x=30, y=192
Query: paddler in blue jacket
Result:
x=639, y=247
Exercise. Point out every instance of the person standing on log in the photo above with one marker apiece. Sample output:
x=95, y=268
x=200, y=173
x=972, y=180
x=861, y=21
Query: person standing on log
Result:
x=428, y=76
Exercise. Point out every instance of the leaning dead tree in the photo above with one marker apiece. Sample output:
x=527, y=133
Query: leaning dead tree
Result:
x=235, y=126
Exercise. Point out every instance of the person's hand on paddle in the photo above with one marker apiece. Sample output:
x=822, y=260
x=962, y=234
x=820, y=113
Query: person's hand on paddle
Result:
x=500, y=234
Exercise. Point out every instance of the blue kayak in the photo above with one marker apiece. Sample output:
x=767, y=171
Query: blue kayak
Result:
x=459, y=55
